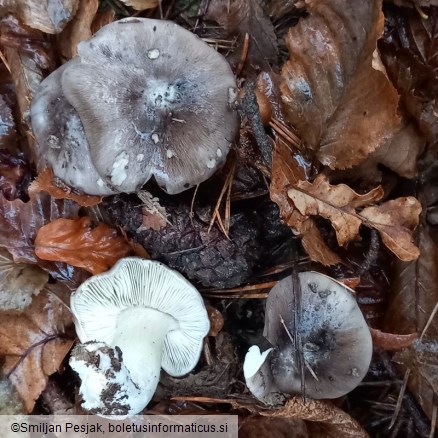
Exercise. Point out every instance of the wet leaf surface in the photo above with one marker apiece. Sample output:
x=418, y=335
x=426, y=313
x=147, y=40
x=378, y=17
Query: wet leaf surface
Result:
x=342, y=108
x=77, y=243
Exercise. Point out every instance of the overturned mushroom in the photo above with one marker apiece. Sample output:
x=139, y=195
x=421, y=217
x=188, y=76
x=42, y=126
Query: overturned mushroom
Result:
x=133, y=320
x=143, y=98
x=335, y=339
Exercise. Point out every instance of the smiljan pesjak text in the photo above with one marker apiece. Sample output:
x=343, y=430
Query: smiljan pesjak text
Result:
x=122, y=427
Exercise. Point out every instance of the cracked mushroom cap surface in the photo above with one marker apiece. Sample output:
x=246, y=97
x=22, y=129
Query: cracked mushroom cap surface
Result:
x=335, y=337
x=153, y=100
x=99, y=304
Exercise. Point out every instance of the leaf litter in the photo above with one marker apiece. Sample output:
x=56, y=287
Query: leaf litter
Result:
x=345, y=117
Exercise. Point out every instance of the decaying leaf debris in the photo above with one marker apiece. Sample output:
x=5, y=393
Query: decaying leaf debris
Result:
x=334, y=170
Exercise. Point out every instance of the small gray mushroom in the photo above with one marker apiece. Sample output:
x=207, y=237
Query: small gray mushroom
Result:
x=144, y=98
x=336, y=342
x=132, y=321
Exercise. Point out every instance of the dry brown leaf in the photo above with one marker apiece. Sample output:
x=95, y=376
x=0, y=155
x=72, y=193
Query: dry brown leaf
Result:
x=45, y=182
x=78, y=29
x=154, y=215
x=395, y=220
x=34, y=343
x=400, y=153
x=334, y=202
x=18, y=282
x=141, y=5
x=287, y=170
x=337, y=423
x=78, y=244
x=342, y=108
x=49, y=16
x=391, y=341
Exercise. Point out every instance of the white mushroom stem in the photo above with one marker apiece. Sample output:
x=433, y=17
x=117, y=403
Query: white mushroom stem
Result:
x=140, y=334
x=257, y=372
x=127, y=387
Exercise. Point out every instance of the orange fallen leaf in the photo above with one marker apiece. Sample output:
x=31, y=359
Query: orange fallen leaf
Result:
x=391, y=341
x=34, y=344
x=47, y=182
x=78, y=244
x=216, y=320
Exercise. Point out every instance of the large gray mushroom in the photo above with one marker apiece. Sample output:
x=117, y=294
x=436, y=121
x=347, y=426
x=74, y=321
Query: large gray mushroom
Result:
x=335, y=339
x=144, y=98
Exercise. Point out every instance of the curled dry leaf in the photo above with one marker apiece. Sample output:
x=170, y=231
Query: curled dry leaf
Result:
x=342, y=108
x=336, y=422
x=395, y=220
x=18, y=282
x=49, y=16
x=47, y=182
x=287, y=170
x=34, y=344
x=391, y=341
x=78, y=29
x=78, y=244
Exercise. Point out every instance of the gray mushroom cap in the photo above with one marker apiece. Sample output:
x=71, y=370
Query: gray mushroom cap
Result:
x=153, y=100
x=335, y=338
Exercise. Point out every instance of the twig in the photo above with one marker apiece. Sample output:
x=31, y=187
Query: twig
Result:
x=5, y=61
x=244, y=55
x=283, y=131
x=400, y=398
